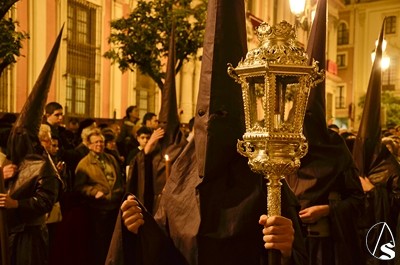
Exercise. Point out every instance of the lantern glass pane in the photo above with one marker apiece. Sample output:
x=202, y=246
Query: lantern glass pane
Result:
x=256, y=102
x=287, y=88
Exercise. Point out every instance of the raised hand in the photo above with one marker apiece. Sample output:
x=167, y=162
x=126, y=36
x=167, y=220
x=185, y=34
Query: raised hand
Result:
x=155, y=136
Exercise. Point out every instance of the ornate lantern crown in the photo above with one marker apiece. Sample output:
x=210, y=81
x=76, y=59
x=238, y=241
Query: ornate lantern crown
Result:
x=276, y=79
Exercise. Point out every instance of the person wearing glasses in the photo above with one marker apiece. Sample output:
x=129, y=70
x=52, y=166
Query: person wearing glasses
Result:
x=99, y=180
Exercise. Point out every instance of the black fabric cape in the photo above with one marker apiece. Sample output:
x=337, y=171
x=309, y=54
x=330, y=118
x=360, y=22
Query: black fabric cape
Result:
x=333, y=176
x=330, y=165
x=36, y=187
x=179, y=236
x=382, y=204
x=146, y=176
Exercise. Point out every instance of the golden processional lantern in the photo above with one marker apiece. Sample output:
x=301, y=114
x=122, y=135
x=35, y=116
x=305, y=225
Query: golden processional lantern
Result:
x=276, y=79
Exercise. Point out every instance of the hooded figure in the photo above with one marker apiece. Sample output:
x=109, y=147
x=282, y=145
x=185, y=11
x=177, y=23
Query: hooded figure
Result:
x=23, y=139
x=147, y=172
x=326, y=184
x=34, y=189
x=210, y=209
x=379, y=175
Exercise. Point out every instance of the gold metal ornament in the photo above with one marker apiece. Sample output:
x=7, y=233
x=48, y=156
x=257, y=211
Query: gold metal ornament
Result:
x=276, y=79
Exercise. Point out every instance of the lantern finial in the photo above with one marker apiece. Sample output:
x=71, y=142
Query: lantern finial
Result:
x=277, y=46
x=281, y=32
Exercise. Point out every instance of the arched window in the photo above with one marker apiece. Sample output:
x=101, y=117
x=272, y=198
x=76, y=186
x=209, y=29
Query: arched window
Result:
x=343, y=34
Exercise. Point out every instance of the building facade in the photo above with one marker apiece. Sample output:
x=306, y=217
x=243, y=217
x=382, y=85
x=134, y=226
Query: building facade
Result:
x=87, y=84
x=359, y=26
x=84, y=82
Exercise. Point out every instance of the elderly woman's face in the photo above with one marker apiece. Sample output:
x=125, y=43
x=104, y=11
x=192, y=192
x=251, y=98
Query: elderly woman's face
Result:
x=96, y=144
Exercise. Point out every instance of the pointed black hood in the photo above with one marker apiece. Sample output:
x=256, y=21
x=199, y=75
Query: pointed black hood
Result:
x=327, y=154
x=219, y=119
x=168, y=116
x=315, y=127
x=23, y=139
x=367, y=145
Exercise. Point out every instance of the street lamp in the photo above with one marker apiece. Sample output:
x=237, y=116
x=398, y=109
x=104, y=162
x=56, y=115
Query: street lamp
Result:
x=276, y=80
x=385, y=61
x=297, y=7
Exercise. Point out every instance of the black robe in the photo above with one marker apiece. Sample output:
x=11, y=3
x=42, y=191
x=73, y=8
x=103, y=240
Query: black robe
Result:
x=147, y=176
x=36, y=187
x=330, y=168
x=382, y=204
x=206, y=222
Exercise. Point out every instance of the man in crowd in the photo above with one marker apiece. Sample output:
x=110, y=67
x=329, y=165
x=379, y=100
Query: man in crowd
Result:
x=99, y=180
x=142, y=136
x=150, y=120
x=54, y=115
x=126, y=138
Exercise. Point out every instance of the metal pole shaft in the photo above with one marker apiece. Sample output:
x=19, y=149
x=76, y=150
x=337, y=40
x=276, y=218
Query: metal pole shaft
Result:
x=274, y=209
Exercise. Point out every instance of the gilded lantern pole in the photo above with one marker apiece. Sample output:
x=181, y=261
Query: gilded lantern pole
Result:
x=276, y=80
